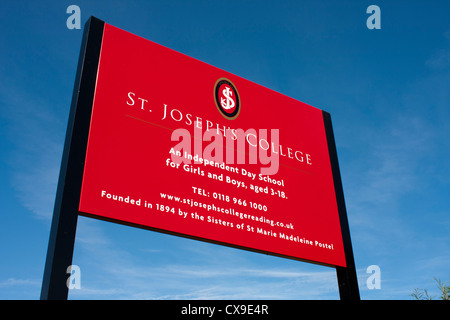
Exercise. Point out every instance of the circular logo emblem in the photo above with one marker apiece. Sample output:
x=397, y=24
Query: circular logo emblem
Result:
x=227, y=98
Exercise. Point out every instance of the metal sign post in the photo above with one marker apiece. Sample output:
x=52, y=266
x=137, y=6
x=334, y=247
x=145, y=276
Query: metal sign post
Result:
x=347, y=279
x=65, y=214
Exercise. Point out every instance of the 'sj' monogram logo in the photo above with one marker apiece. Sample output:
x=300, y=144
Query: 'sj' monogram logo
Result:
x=227, y=102
x=226, y=98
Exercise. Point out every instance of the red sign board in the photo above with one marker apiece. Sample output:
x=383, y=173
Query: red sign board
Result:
x=156, y=159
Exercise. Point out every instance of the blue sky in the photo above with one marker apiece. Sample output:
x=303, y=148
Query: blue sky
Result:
x=388, y=92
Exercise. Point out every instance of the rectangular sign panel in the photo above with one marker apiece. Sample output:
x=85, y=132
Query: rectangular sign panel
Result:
x=179, y=146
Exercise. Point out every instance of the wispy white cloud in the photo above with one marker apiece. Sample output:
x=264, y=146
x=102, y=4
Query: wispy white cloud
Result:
x=214, y=273
x=161, y=283
x=36, y=134
x=19, y=288
x=391, y=172
x=406, y=150
x=13, y=282
x=434, y=263
x=397, y=196
x=441, y=59
x=396, y=156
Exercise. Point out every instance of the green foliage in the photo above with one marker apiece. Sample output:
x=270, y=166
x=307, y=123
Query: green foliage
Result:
x=422, y=294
